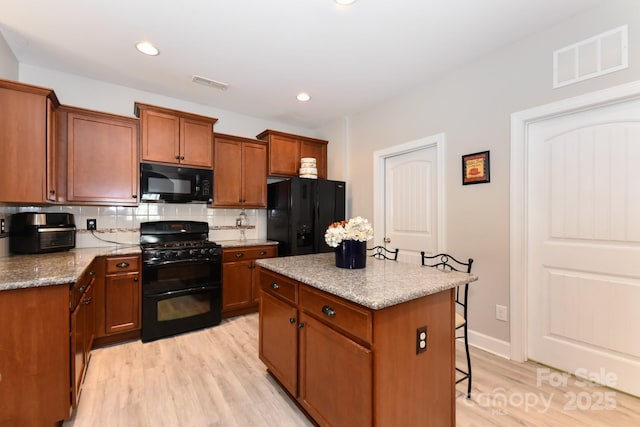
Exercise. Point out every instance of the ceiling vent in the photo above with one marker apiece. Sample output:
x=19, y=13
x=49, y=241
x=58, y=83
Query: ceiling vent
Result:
x=595, y=56
x=208, y=82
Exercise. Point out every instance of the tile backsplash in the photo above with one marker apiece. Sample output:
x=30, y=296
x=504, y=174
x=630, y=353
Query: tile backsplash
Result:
x=122, y=224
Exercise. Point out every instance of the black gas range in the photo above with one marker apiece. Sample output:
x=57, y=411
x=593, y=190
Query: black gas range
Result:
x=181, y=278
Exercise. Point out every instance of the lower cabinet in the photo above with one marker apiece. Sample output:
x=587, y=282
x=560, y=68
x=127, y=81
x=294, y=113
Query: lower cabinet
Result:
x=34, y=356
x=347, y=365
x=118, y=299
x=82, y=330
x=240, y=282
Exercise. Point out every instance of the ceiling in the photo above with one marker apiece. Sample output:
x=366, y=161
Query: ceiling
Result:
x=347, y=58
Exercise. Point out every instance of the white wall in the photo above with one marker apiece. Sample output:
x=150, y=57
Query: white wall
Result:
x=472, y=105
x=97, y=95
x=8, y=62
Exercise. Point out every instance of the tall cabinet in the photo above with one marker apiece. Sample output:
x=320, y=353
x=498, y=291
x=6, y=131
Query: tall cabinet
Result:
x=27, y=126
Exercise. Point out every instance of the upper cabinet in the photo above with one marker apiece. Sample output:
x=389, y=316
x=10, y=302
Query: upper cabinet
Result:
x=27, y=129
x=175, y=137
x=240, y=172
x=286, y=150
x=100, y=152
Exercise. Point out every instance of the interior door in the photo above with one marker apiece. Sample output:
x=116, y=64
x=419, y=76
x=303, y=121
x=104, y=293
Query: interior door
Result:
x=583, y=277
x=411, y=202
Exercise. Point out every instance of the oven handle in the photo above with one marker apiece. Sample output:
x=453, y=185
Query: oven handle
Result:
x=182, y=291
x=181, y=261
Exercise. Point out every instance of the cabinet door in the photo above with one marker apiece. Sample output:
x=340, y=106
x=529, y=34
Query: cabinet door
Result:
x=102, y=160
x=34, y=356
x=228, y=173
x=77, y=351
x=279, y=340
x=317, y=151
x=236, y=285
x=160, y=137
x=254, y=172
x=196, y=143
x=23, y=135
x=122, y=303
x=284, y=155
x=335, y=384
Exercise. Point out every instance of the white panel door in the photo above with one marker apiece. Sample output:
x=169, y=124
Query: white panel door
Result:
x=411, y=202
x=584, y=244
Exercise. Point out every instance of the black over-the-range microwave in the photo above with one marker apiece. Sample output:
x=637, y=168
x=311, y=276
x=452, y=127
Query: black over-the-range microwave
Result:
x=176, y=184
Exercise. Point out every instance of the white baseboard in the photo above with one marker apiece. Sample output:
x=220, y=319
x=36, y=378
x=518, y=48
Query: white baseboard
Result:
x=492, y=345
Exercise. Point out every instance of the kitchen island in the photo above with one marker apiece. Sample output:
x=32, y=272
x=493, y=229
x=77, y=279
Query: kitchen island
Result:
x=367, y=347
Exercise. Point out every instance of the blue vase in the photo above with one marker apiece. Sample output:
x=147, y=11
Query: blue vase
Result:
x=351, y=254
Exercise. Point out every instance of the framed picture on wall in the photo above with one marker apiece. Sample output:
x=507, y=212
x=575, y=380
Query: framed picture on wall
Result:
x=475, y=168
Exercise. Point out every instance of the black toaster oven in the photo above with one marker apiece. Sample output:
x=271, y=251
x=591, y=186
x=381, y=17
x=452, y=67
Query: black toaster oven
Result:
x=36, y=232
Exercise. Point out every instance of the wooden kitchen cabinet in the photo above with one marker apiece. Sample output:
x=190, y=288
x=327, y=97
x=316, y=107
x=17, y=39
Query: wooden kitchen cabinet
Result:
x=285, y=151
x=240, y=281
x=100, y=152
x=175, y=137
x=34, y=356
x=322, y=349
x=278, y=333
x=82, y=330
x=240, y=172
x=27, y=163
x=117, y=299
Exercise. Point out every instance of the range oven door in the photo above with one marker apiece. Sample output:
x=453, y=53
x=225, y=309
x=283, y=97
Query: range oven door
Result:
x=180, y=296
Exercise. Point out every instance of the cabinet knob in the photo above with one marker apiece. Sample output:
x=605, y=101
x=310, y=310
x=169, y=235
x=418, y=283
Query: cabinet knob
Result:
x=135, y=279
x=239, y=254
x=292, y=320
x=181, y=157
x=263, y=253
x=274, y=285
x=81, y=289
x=300, y=325
x=122, y=264
x=92, y=273
x=329, y=311
x=134, y=196
x=87, y=301
x=177, y=157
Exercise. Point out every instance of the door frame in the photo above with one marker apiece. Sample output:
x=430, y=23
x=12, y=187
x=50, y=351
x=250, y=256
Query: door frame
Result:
x=439, y=142
x=518, y=252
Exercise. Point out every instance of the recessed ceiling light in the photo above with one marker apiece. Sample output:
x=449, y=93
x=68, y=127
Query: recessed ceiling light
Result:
x=147, y=48
x=303, y=97
x=345, y=2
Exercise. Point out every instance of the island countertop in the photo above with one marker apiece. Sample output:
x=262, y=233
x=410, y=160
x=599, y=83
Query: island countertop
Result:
x=379, y=285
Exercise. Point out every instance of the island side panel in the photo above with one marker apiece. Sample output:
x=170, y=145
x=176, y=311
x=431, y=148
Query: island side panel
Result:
x=410, y=388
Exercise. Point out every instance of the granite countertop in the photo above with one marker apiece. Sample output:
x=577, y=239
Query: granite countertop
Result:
x=56, y=268
x=379, y=285
x=245, y=242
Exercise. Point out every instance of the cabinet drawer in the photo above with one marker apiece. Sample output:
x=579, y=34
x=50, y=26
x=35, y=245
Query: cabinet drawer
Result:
x=348, y=317
x=278, y=285
x=247, y=253
x=123, y=264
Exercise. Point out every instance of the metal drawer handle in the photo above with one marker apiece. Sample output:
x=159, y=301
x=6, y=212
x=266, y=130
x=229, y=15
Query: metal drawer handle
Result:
x=274, y=285
x=329, y=311
x=122, y=264
x=239, y=254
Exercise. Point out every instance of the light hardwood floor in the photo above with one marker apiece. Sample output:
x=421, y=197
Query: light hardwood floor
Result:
x=213, y=377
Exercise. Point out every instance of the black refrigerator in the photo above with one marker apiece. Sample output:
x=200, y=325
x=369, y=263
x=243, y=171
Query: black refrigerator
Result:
x=299, y=210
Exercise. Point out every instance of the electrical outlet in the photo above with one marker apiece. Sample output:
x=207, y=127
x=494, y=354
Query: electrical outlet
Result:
x=92, y=224
x=2, y=229
x=501, y=313
x=421, y=340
